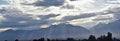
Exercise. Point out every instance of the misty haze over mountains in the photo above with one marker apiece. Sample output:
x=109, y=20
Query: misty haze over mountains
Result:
x=33, y=19
x=61, y=31
x=113, y=27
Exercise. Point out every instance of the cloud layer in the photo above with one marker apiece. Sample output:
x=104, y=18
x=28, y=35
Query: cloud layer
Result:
x=49, y=3
x=24, y=14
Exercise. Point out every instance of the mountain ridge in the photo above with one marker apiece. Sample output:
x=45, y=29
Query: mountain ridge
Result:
x=54, y=31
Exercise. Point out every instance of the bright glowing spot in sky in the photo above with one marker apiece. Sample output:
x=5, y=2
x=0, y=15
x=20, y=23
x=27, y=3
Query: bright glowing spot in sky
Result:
x=4, y=29
x=44, y=26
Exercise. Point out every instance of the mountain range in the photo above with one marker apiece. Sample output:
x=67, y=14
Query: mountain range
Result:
x=60, y=31
x=113, y=27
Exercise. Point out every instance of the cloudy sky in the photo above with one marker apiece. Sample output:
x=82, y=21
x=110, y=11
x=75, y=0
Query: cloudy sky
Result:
x=34, y=14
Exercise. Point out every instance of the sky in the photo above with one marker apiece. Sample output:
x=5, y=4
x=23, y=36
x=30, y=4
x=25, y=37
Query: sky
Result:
x=34, y=14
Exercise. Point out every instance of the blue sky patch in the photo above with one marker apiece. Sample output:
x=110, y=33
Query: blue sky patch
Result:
x=3, y=2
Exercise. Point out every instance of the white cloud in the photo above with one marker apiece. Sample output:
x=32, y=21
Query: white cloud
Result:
x=4, y=29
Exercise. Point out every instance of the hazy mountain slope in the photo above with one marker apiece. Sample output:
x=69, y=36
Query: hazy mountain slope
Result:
x=113, y=27
x=54, y=31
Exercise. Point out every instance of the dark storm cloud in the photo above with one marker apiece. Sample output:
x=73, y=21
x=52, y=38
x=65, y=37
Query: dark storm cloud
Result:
x=68, y=18
x=48, y=16
x=114, y=11
x=47, y=3
x=73, y=0
x=17, y=19
x=3, y=10
x=13, y=19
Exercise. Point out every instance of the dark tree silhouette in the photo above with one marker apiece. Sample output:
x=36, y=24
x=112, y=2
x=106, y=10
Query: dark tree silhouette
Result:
x=53, y=40
x=48, y=39
x=41, y=39
x=35, y=40
x=109, y=36
x=16, y=40
x=5, y=40
x=106, y=38
x=92, y=38
x=70, y=39
x=102, y=38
